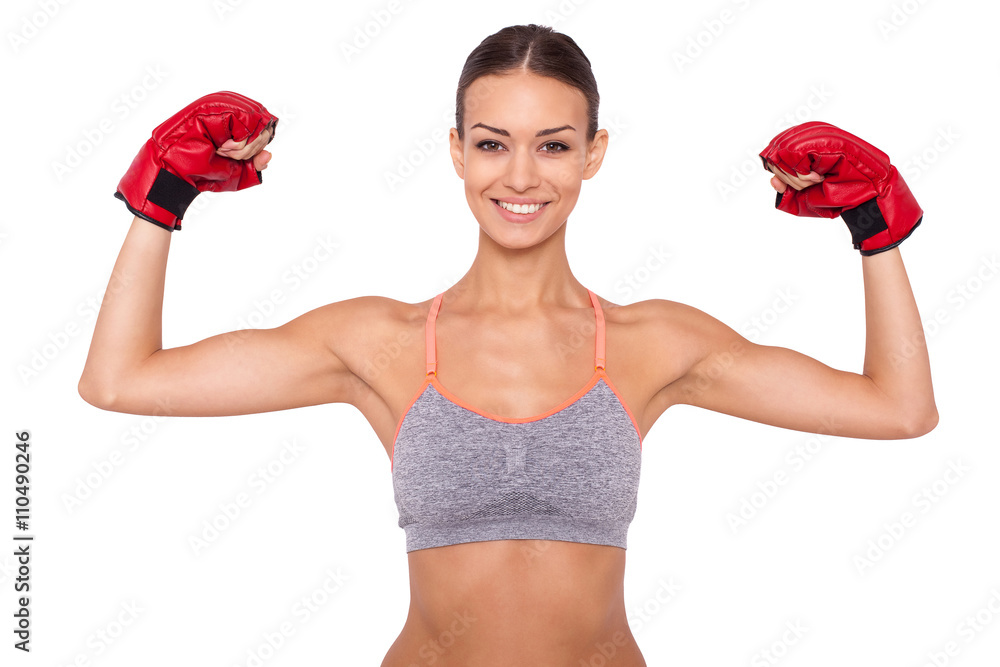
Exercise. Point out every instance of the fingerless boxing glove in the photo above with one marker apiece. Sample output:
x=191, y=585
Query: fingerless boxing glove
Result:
x=859, y=184
x=179, y=161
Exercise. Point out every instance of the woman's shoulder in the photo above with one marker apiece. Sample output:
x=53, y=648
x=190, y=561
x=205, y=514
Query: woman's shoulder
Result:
x=377, y=311
x=380, y=316
x=374, y=318
x=659, y=326
x=653, y=312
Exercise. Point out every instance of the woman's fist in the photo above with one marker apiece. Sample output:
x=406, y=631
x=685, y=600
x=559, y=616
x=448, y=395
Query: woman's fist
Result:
x=822, y=171
x=239, y=150
x=214, y=144
x=781, y=180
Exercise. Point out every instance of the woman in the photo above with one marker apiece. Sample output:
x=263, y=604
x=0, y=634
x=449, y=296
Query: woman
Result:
x=514, y=414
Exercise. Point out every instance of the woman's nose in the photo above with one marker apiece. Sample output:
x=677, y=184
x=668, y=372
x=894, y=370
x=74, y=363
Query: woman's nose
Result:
x=522, y=171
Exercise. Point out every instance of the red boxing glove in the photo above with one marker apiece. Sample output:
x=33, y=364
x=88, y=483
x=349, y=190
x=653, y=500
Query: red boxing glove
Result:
x=859, y=184
x=179, y=161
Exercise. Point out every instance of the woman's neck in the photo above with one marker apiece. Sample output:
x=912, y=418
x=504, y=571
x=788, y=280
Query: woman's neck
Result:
x=505, y=280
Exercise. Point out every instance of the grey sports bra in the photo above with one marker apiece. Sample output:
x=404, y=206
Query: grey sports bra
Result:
x=463, y=475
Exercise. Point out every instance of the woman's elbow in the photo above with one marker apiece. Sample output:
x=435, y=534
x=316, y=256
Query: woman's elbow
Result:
x=94, y=394
x=918, y=423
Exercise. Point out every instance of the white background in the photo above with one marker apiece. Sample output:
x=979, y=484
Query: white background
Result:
x=918, y=80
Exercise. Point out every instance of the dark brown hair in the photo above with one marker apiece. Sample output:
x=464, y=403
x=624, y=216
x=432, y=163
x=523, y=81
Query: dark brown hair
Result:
x=539, y=49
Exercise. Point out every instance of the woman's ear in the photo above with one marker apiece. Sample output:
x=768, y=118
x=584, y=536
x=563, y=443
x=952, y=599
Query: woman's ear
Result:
x=595, y=154
x=457, y=154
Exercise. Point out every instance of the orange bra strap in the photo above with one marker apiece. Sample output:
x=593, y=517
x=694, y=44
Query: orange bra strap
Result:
x=429, y=335
x=599, y=356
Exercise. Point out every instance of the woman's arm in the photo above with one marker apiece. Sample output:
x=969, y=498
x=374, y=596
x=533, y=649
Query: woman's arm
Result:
x=896, y=357
x=240, y=372
x=254, y=370
x=891, y=398
x=129, y=323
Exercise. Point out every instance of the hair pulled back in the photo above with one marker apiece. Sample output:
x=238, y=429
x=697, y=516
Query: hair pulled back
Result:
x=537, y=49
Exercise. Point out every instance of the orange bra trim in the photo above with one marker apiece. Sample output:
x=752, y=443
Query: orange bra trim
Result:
x=430, y=340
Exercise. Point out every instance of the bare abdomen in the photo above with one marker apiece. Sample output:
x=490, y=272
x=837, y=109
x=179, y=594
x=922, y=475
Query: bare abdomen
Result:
x=516, y=602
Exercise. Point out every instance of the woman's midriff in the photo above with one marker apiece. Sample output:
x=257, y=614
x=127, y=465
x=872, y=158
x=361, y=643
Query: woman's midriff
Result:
x=516, y=602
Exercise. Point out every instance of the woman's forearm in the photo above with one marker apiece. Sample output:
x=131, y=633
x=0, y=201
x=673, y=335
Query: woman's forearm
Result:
x=895, y=352
x=129, y=324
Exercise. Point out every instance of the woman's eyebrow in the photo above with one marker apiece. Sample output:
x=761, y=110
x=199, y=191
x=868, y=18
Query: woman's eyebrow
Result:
x=540, y=133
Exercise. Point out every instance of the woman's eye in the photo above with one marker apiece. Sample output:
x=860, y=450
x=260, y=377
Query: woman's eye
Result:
x=491, y=146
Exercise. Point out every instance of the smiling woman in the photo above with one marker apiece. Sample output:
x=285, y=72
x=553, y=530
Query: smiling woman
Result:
x=516, y=474
x=538, y=151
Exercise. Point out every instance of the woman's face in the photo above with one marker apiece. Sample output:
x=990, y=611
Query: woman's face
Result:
x=525, y=144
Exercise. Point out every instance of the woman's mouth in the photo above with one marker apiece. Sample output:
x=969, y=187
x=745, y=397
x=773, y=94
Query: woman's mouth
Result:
x=518, y=212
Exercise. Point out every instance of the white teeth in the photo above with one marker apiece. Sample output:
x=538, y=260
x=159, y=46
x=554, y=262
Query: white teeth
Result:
x=520, y=208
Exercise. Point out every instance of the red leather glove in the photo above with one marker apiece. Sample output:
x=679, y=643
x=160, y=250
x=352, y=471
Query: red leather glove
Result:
x=179, y=161
x=859, y=184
